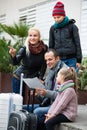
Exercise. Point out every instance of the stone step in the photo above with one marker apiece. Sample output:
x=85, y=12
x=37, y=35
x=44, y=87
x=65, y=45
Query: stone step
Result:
x=79, y=124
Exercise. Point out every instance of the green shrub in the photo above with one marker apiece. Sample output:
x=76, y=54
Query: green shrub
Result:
x=17, y=32
x=83, y=74
x=5, y=65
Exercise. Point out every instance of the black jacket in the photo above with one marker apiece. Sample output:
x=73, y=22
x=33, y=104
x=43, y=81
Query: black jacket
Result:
x=32, y=65
x=66, y=41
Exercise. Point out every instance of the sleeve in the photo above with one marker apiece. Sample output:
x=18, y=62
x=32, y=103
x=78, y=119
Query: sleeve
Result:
x=76, y=39
x=42, y=71
x=51, y=94
x=51, y=38
x=16, y=60
x=43, y=68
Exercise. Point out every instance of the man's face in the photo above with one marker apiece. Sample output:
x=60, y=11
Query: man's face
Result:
x=51, y=60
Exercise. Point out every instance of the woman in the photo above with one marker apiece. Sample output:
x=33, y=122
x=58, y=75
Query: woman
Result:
x=31, y=57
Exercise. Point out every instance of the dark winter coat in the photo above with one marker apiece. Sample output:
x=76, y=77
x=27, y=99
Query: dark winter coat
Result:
x=66, y=41
x=32, y=65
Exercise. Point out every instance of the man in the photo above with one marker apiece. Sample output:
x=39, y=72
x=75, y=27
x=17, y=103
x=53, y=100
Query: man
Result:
x=54, y=64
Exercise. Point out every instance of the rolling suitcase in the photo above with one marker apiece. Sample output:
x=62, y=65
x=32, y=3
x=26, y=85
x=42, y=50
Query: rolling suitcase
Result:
x=8, y=103
x=22, y=120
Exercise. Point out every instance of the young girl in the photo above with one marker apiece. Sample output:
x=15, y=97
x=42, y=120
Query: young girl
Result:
x=64, y=108
x=64, y=37
x=31, y=57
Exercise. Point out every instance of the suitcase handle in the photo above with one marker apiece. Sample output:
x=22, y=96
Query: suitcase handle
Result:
x=24, y=111
x=21, y=83
x=33, y=98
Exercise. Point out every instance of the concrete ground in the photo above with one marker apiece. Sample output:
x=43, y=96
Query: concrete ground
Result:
x=79, y=124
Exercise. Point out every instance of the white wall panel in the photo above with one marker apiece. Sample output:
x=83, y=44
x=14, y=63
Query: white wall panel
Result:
x=44, y=19
x=84, y=27
x=39, y=12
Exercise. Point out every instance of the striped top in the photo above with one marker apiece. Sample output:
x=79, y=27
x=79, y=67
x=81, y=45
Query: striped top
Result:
x=65, y=103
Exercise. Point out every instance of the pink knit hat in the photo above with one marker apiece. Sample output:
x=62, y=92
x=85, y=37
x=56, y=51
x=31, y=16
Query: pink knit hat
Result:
x=58, y=9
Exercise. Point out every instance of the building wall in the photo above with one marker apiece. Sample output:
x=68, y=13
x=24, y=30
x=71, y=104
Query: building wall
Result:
x=11, y=8
x=73, y=9
x=12, y=5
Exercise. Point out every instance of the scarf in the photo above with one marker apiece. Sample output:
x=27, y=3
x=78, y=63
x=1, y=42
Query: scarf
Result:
x=51, y=77
x=62, y=24
x=66, y=85
x=37, y=48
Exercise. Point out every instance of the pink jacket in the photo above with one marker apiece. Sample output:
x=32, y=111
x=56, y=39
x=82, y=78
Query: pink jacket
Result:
x=65, y=103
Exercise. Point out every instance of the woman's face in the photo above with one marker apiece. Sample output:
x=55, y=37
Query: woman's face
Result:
x=33, y=36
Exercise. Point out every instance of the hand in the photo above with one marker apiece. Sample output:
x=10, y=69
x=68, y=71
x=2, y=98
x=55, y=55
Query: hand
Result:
x=78, y=65
x=41, y=91
x=12, y=51
x=48, y=116
x=41, y=81
x=31, y=93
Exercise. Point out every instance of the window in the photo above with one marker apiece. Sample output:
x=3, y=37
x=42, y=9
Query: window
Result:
x=3, y=19
x=28, y=16
x=40, y=16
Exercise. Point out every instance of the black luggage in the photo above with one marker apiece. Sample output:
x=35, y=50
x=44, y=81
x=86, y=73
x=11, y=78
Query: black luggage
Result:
x=22, y=120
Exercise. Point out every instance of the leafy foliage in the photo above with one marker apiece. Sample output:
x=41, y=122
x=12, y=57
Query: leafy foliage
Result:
x=5, y=65
x=83, y=75
x=18, y=32
x=83, y=79
x=84, y=62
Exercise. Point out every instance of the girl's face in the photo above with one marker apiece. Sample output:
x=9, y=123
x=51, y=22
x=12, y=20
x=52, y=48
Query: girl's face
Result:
x=60, y=78
x=58, y=18
x=33, y=36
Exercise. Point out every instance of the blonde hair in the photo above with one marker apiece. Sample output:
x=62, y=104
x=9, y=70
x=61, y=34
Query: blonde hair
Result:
x=35, y=29
x=70, y=74
x=26, y=45
x=26, y=41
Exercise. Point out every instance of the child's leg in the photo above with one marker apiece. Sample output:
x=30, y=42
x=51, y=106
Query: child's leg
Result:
x=56, y=120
